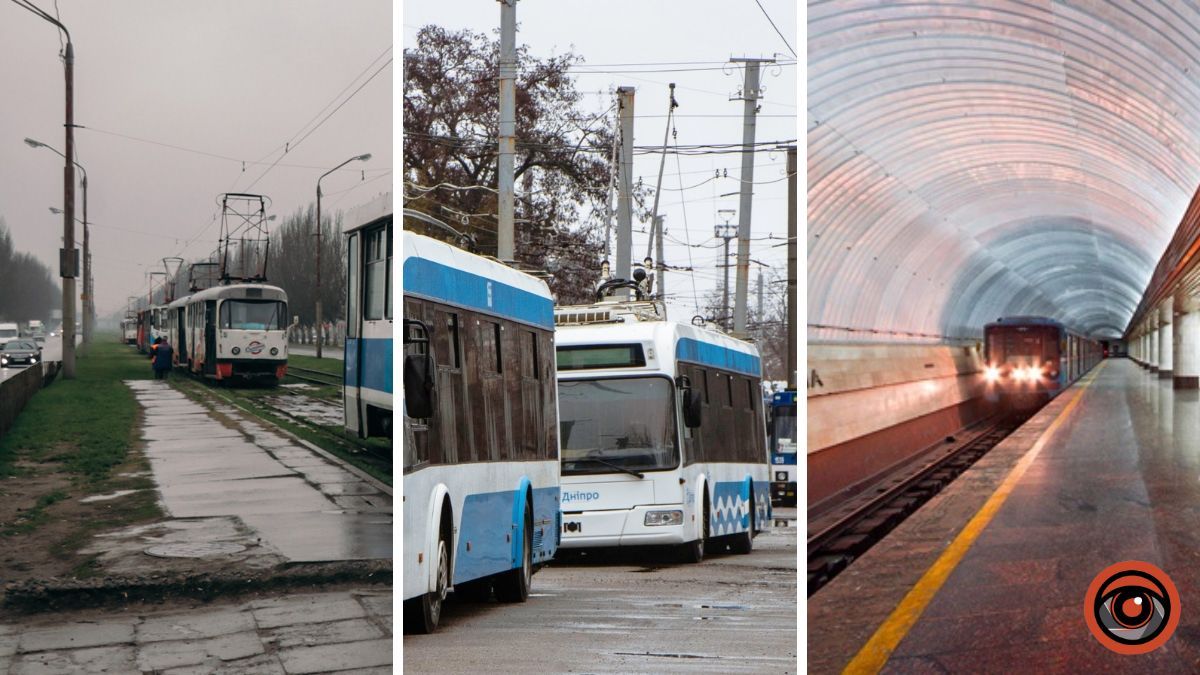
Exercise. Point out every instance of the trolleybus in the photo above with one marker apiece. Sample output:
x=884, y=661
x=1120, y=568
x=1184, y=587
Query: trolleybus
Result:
x=481, y=495
x=662, y=431
x=781, y=434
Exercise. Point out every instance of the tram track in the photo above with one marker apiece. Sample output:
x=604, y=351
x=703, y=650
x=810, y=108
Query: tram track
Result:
x=841, y=534
x=313, y=376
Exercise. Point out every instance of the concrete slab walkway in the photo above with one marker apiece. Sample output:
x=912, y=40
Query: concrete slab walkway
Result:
x=332, y=632
x=211, y=463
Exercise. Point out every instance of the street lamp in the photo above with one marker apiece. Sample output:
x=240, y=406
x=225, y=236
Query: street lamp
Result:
x=725, y=232
x=89, y=308
x=66, y=264
x=320, y=331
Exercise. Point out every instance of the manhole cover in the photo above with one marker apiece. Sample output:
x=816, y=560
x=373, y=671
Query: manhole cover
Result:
x=194, y=550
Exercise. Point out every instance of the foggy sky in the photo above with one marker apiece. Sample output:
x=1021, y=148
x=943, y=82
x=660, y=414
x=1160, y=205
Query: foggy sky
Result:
x=231, y=78
x=635, y=31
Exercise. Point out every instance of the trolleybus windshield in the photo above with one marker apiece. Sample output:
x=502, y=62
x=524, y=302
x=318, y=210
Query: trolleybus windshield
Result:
x=617, y=423
x=252, y=315
x=783, y=429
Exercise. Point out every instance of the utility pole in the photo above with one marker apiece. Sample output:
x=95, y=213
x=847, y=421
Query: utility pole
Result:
x=625, y=196
x=661, y=268
x=750, y=95
x=88, y=316
x=791, y=280
x=505, y=234
x=725, y=232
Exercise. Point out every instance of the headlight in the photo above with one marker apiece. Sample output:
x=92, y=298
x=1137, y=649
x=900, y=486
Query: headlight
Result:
x=780, y=476
x=237, y=350
x=654, y=518
x=274, y=351
x=992, y=373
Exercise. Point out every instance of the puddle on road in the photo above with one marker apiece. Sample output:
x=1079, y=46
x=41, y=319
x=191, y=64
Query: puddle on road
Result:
x=107, y=497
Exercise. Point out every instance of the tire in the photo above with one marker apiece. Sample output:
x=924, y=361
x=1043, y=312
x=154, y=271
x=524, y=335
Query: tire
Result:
x=423, y=614
x=743, y=542
x=513, y=585
x=693, y=551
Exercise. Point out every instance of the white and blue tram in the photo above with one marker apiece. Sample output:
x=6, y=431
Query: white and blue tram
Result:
x=481, y=494
x=367, y=376
x=662, y=432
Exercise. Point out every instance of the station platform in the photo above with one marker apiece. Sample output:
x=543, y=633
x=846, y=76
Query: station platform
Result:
x=991, y=574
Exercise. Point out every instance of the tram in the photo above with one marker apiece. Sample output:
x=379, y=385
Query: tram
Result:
x=481, y=492
x=231, y=332
x=663, y=434
x=367, y=377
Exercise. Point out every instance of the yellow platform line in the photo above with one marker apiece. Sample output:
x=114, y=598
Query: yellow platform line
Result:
x=875, y=653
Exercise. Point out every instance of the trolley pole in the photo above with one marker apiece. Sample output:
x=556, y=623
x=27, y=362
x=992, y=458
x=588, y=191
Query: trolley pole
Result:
x=505, y=232
x=750, y=95
x=624, y=268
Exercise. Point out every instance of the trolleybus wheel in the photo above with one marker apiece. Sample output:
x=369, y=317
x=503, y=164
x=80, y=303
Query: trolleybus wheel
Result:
x=513, y=586
x=693, y=551
x=425, y=611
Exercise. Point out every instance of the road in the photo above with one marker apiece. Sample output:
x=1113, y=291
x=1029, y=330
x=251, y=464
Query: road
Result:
x=635, y=613
x=51, y=351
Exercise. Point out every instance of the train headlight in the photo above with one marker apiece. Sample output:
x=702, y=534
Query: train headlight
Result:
x=236, y=351
x=1018, y=374
x=274, y=351
x=992, y=373
x=780, y=476
x=654, y=518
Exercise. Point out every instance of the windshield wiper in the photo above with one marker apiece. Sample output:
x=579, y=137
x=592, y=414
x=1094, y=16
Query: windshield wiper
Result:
x=618, y=467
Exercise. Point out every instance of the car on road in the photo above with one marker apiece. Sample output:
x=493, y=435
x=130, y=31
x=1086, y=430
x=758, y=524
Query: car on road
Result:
x=20, y=353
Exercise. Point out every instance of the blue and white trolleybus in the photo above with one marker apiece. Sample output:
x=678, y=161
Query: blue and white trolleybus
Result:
x=481, y=507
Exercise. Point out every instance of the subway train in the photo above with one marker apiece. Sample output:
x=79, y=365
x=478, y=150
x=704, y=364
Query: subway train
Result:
x=1028, y=360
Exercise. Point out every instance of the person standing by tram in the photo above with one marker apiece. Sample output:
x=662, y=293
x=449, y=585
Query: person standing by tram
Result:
x=160, y=356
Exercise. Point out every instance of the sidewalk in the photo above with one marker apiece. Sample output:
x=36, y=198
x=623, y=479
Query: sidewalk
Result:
x=344, y=631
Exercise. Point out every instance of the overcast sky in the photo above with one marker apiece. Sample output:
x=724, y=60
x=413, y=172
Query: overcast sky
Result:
x=702, y=35
x=227, y=77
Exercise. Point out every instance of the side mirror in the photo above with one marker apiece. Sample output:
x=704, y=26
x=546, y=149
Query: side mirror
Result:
x=419, y=385
x=691, y=402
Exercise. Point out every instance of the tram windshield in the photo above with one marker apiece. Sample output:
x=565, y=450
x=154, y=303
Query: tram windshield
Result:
x=252, y=315
x=617, y=424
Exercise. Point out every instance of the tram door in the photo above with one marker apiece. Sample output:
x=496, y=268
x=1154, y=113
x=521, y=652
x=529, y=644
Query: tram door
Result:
x=210, y=337
x=181, y=349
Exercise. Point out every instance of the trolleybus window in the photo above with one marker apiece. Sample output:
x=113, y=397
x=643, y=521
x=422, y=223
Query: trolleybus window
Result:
x=252, y=315
x=626, y=423
x=602, y=356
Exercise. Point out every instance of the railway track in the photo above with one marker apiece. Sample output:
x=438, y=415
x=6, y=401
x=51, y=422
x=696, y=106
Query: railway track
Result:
x=840, y=535
x=313, y=376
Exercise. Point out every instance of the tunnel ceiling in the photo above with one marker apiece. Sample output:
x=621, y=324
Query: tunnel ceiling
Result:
x=967, y=162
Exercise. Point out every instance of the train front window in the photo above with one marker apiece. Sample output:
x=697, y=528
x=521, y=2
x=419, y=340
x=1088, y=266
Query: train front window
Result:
x=252, y=315
x=616, y=424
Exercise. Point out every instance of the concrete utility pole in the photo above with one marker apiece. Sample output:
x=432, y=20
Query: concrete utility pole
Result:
x=505, y=234
x=660, y=280
x=792, y=326
x=750, y=94
x=625, y=196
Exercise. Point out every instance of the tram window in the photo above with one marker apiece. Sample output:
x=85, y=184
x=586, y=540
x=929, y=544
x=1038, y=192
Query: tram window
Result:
x=375, y=277
x=352, y=287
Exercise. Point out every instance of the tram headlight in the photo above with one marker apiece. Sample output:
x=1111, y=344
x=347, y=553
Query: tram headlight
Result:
x=274, y=351
x=236, y=351
x=654, y=518
x=992, y=373
x=781, y=476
